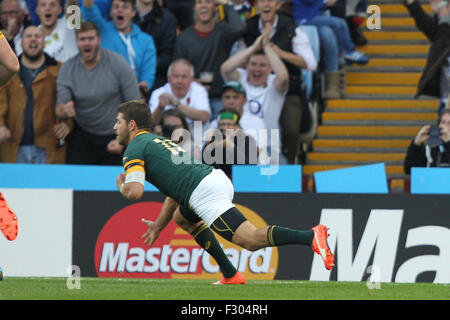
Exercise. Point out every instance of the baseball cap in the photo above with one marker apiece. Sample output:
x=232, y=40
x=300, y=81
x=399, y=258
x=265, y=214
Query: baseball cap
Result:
x=235, y=85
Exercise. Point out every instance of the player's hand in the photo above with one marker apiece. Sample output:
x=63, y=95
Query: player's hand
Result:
x=152, y=233
x=119, y=180
x=422, y=136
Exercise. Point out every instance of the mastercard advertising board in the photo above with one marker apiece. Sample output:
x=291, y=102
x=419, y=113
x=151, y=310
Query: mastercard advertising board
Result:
x=121, y=253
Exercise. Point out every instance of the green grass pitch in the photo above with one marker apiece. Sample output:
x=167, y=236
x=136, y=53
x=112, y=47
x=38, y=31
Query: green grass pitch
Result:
x=174, y=289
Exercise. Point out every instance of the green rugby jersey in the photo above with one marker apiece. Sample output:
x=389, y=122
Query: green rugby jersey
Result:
x=167, y=166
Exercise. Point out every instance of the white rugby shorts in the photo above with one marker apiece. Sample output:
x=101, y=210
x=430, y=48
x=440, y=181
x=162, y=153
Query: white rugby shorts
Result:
x=212, y=197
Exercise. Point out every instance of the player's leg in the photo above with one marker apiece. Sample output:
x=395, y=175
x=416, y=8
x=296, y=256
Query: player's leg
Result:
x=233, y=225
x=206, y=239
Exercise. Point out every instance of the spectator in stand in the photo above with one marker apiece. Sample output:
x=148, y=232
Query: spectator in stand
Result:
x=236, y=147
x=182, y=93
x=234, y=97
x=336, y=43
x=103, y=5
x=207, y=44
x=182, y=10
x=29, y=129
x=169, y=122
x=245, y=11
x=60, y=42
x=13, y=23
x=354, y=12
x=161, y=24
x=435, y=80
x=428, y=149
x=292, y=45
x=265, y=91
x=90, y=87
x=243, y=7
x=123, y=36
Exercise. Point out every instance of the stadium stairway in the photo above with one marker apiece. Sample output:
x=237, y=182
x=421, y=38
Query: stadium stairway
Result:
x=379, y=116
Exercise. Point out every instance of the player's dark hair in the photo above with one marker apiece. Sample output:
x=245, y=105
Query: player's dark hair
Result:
x=138, y=111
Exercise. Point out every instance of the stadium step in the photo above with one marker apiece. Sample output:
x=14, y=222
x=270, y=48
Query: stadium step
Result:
x=366, y=131
x=355, y=157
x=383, y=105
x=380, y=114
x=383, y=78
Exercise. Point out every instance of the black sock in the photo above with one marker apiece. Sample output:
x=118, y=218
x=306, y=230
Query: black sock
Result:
x=206, y=239
x=278, y=236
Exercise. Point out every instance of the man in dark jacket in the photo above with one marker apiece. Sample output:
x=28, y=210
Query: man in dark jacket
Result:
x=428, y=149
x=435, y=80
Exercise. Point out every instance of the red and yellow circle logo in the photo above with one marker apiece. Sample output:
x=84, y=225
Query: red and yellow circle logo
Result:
x=121, y=252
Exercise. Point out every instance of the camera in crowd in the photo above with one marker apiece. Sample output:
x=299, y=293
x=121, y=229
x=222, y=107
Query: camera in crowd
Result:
x=434, y=134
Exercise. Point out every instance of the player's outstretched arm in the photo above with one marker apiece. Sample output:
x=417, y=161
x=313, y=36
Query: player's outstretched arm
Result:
x=9, y=64
x=155, y=227
x=130, y=190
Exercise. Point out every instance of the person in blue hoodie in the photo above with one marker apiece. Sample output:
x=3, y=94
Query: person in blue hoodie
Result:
x=126, y=38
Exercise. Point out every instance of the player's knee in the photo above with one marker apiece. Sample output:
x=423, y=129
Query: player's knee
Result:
x=246, y=242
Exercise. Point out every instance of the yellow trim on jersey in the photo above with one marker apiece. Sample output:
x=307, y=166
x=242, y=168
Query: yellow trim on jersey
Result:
x=134, y=169
x=142, y=132
x=138, y=161
x=1, y=35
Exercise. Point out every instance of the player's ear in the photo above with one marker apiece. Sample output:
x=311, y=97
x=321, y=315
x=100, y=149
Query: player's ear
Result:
x=132, y=125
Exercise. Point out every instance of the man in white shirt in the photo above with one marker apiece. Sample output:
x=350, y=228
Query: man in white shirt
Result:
x=60, y=41
x=293, y=47
x=265, y=91
x=183, y=93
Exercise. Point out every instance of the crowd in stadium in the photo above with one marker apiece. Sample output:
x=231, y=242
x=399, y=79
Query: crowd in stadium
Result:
x=245, y=66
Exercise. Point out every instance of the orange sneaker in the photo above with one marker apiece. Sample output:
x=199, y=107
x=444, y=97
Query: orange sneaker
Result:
x=8, y=220
x=320, y=246
x=238, y=278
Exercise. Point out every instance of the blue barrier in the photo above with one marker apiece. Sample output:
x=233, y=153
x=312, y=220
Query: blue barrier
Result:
x=250, y=178
x=430, y=180
x=287, y=178
x=362, y=179
x=51, y=176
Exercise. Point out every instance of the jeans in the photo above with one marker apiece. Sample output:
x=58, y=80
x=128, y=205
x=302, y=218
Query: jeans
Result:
x=340, y=29
x=31, y=154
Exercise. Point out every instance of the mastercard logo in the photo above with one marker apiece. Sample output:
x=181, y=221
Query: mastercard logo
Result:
x=121, y=252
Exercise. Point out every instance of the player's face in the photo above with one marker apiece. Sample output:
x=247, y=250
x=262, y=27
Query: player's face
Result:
x=122, y=14
x=180, y=79
x=268, y=9
x=33, y=43
x=48, y=11
x=233, y=100
x=204, y=10
x=121, y=129
x=258, y=69
x=88, y=43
